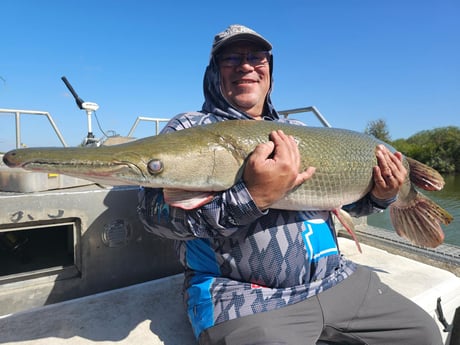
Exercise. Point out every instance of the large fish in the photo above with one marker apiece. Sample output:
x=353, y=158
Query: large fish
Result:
x=210, y=158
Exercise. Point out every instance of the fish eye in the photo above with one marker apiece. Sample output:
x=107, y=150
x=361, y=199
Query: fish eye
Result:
x=155, y=166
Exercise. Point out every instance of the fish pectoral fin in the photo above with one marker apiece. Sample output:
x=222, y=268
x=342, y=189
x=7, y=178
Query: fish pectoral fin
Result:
x=187, y=200
x=419, y=221
x=345, y=219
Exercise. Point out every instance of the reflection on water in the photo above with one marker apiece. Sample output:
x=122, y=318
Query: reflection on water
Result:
x=448, y=198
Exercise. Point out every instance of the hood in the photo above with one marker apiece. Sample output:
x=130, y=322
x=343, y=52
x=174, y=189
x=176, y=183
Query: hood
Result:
x=216, y=103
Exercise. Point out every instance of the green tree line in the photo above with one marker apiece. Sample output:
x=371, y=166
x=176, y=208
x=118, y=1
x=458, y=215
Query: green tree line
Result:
x=438, y=147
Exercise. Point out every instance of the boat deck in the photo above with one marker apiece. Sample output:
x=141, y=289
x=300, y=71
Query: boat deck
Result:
x=153, y=313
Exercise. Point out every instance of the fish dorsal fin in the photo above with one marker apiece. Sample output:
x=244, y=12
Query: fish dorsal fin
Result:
x=187, y=200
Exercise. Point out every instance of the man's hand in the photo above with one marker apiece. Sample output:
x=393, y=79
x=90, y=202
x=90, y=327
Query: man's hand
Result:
x=273, y=168
x=389, y=175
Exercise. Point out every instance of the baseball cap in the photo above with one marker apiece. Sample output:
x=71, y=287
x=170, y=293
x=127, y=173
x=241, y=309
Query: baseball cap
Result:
x=236, y=33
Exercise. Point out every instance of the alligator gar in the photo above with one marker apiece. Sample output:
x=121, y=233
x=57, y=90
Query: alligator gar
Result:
x=211, y=158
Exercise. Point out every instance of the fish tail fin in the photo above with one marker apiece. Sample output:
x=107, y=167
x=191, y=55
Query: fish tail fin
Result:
x=424, y=176
x=345, y=219
x=419, y=219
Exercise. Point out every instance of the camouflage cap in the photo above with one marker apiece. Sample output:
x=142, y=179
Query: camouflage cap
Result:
x=235, y=33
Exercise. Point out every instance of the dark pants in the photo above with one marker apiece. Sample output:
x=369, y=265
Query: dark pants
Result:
x=359, y=310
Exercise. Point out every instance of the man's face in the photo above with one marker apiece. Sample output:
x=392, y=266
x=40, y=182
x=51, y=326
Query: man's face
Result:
x=245, y=79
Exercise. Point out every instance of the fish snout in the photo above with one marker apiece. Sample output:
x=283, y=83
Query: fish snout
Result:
x=9, y=159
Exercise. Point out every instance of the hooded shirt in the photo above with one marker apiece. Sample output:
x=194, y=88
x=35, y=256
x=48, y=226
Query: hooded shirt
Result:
x=239, y=260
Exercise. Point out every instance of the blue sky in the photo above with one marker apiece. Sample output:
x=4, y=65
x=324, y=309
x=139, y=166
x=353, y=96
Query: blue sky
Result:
x=355, y=60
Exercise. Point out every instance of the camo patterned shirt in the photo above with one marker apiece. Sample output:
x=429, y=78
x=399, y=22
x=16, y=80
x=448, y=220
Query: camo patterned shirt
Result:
x=240, y=260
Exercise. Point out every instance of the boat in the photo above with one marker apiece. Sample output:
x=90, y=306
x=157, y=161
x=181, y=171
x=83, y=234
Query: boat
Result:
x=77, y=267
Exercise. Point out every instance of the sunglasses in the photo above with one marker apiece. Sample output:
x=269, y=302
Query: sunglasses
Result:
x=255, y=59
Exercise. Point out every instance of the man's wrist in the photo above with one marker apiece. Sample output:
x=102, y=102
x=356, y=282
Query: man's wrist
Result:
x=382, y=203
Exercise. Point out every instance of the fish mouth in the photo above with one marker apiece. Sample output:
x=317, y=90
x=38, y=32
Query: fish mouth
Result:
x=86, y=168
x=119, y=170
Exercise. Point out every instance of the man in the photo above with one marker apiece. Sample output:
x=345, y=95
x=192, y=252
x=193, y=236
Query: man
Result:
x=256, y=275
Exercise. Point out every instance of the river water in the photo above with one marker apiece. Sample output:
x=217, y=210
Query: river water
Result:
x=448, y=198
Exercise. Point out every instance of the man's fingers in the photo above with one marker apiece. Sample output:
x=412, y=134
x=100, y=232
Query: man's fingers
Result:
x=390, y=170
x=305, y=175
x=264, y=150
x=288, y=144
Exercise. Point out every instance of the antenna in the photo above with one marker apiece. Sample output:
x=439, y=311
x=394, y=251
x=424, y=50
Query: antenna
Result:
x=89, y=107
